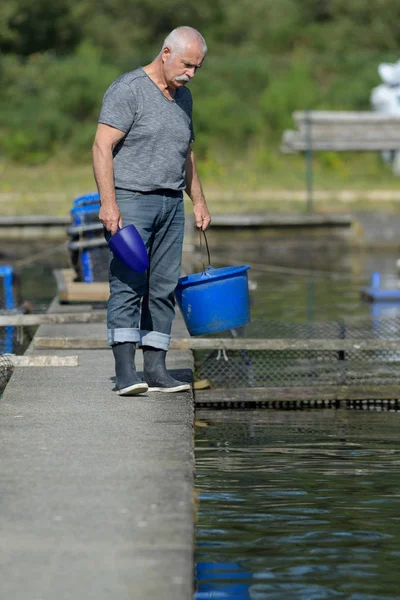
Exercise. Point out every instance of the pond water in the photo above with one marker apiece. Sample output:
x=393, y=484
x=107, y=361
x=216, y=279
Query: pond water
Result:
x=300, y=504
x=302, y=280
x=33, y=264
x=33, y=284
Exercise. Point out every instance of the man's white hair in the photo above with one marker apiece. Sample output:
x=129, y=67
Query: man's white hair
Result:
x=180, y=37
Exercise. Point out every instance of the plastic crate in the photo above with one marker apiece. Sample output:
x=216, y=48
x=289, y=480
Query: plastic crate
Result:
x=91, y=264
x=85, y=209
x=7, y=303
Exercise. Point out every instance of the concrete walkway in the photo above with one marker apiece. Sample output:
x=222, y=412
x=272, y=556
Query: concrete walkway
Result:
x=96, y=489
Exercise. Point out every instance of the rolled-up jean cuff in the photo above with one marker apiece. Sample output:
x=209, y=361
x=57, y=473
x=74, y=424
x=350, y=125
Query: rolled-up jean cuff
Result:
x=154, y=339
x=121, y=335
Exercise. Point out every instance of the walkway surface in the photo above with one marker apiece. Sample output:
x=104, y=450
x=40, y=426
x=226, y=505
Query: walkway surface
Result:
x=96, y=497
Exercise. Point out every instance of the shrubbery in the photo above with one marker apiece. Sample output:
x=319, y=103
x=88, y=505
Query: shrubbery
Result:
x=266, y=59
x=50, y=104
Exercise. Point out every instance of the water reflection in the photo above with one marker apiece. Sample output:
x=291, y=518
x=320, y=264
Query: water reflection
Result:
x=298, y=504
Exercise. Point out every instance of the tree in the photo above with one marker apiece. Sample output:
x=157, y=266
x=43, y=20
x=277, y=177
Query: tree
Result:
x=28, y=27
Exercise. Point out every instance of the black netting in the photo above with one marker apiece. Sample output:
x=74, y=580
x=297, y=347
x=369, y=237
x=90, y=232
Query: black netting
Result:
x=291, y=367
x=349, y=328
x=6, y=370
x=97, y=261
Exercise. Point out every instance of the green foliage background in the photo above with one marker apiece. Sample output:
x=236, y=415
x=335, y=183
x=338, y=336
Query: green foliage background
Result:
x=266, y=59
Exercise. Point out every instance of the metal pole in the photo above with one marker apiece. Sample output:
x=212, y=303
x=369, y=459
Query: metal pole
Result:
x=310, y=303
x=309, y=169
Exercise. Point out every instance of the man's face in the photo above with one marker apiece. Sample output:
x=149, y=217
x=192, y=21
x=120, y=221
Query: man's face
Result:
x=181, y=67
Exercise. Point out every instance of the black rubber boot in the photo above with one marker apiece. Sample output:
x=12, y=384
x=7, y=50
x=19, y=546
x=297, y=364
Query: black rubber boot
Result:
x=127, y=380
x=156, y=374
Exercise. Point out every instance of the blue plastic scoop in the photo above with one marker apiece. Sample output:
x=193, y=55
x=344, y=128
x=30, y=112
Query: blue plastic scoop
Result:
x=128, y=246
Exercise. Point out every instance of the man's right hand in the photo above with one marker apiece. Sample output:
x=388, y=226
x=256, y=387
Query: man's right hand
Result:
x=110, y=216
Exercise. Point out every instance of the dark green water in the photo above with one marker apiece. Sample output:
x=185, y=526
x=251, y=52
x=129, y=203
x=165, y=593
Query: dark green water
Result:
x=301, y=505
x=298, y=504
x=34, y=285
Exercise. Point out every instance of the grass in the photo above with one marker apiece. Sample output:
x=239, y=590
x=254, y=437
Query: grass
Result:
x=44, y=189
x=261, y=181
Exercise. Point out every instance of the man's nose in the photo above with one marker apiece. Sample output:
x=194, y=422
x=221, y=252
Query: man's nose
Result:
x=190, y=72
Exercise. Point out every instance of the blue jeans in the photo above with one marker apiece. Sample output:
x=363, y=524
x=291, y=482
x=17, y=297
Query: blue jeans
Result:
x=141, y=306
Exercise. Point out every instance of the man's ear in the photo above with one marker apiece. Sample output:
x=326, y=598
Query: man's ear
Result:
x=166, y=54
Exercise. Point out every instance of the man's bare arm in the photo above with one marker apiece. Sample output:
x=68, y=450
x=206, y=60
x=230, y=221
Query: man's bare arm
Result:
x=104, y=143
x=195, y=192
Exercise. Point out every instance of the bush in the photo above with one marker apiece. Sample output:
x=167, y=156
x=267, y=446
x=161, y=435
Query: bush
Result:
x=50, y=104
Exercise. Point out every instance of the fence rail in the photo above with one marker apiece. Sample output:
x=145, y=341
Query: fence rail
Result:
x=342, y=131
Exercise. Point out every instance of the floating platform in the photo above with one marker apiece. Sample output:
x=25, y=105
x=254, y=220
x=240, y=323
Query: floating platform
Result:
x=376, y=293
x=70, y=290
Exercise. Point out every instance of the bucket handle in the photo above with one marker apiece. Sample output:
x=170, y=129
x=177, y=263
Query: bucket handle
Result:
x=201, y=231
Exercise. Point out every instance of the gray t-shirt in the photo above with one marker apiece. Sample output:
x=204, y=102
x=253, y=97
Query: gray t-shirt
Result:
x=158, y=131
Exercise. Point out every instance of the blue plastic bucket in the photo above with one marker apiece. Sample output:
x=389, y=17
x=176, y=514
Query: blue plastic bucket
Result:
x=214, y=300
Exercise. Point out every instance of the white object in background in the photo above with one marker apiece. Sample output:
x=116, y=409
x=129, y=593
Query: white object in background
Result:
x=385, y=98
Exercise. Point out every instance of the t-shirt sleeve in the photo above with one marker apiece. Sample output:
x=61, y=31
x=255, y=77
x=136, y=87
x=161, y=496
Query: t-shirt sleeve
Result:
x=119, y=107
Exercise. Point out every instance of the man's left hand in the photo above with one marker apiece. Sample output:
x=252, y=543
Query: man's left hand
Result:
x=202, y=216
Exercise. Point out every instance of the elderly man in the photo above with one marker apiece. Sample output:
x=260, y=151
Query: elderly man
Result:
x=143, y=160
